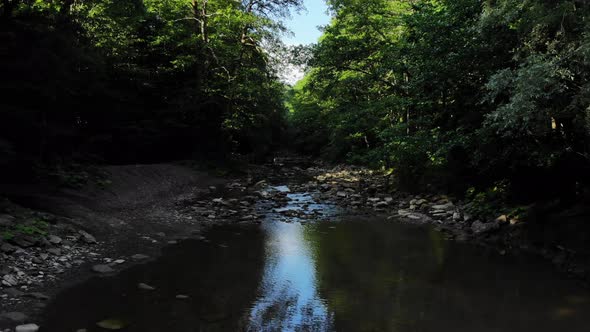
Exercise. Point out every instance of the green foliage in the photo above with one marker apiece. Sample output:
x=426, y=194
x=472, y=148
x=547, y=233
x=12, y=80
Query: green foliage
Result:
x=449, y=92
x=138, y=80
x=34, y=227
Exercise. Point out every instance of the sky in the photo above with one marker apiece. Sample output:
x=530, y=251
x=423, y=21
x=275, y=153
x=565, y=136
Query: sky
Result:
x=305, y=25
x=305, y=28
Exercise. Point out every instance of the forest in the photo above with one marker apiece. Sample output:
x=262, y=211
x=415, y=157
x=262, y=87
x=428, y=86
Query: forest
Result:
x=133, y=81
x=457, y=95
x=182, y=165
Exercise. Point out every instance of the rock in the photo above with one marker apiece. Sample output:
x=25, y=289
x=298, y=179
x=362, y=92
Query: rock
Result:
x=54, y=251
x=38, y=296
x=119, y=261
x=182, y=297
x=27, y=328
x=54, y=239
x=502, y=219
x=7, y=248
x=444, y=207
x=341, y=194
x=23, y=242
x=479, y=227
x=9, y=280
x=14, y=292
x=14, y=316
x=100, y=268
x=86, y=237
x=381, y=204
x=404, y=213
x=420, y=202
x=6, y=220
x=140, y=257
x=145, y=287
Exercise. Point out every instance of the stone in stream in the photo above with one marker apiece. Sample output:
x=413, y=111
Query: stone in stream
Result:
x=14, y=316
x=14, y=292
x=444, y=207
x=27, y=328
x=9, y=280
x=139, y=257
x=38, y=296
x=143, y=286
x=86, y=237
x=54, y=239
x=100, y=268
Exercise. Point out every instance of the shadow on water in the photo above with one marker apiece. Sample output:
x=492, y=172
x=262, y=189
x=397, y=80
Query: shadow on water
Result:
x=349, y=275
x=220, y=277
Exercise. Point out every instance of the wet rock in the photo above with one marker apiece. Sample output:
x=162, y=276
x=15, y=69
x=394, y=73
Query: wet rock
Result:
x=456, y=216
x=101, y=268
x=38, y=296
x=140, y=257
x=444, y=207
x=54, y=239
x=7, y=248
x=381, y=204
x=27, y=328
x=15, y=316
x=143, y=286
x=9, y=280
x=54, y=251
x=479, y=227
x=86, y=237
x=404, y=213
x=182, y=297
x=23, y=242
x=14, y=292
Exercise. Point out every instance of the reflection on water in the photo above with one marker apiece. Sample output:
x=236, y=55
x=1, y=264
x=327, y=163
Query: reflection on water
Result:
x=349, y=275
x=289, y=299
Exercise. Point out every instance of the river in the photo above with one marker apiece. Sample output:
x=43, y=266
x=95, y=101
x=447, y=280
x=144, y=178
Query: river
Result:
x=341, y=272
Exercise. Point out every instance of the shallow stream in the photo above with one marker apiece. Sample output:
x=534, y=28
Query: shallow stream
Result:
x=340, y=273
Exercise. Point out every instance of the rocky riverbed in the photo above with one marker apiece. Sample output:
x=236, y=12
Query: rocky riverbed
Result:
x=43, y=252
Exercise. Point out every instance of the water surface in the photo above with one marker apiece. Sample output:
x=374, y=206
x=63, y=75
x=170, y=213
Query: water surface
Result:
x=347, y=274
